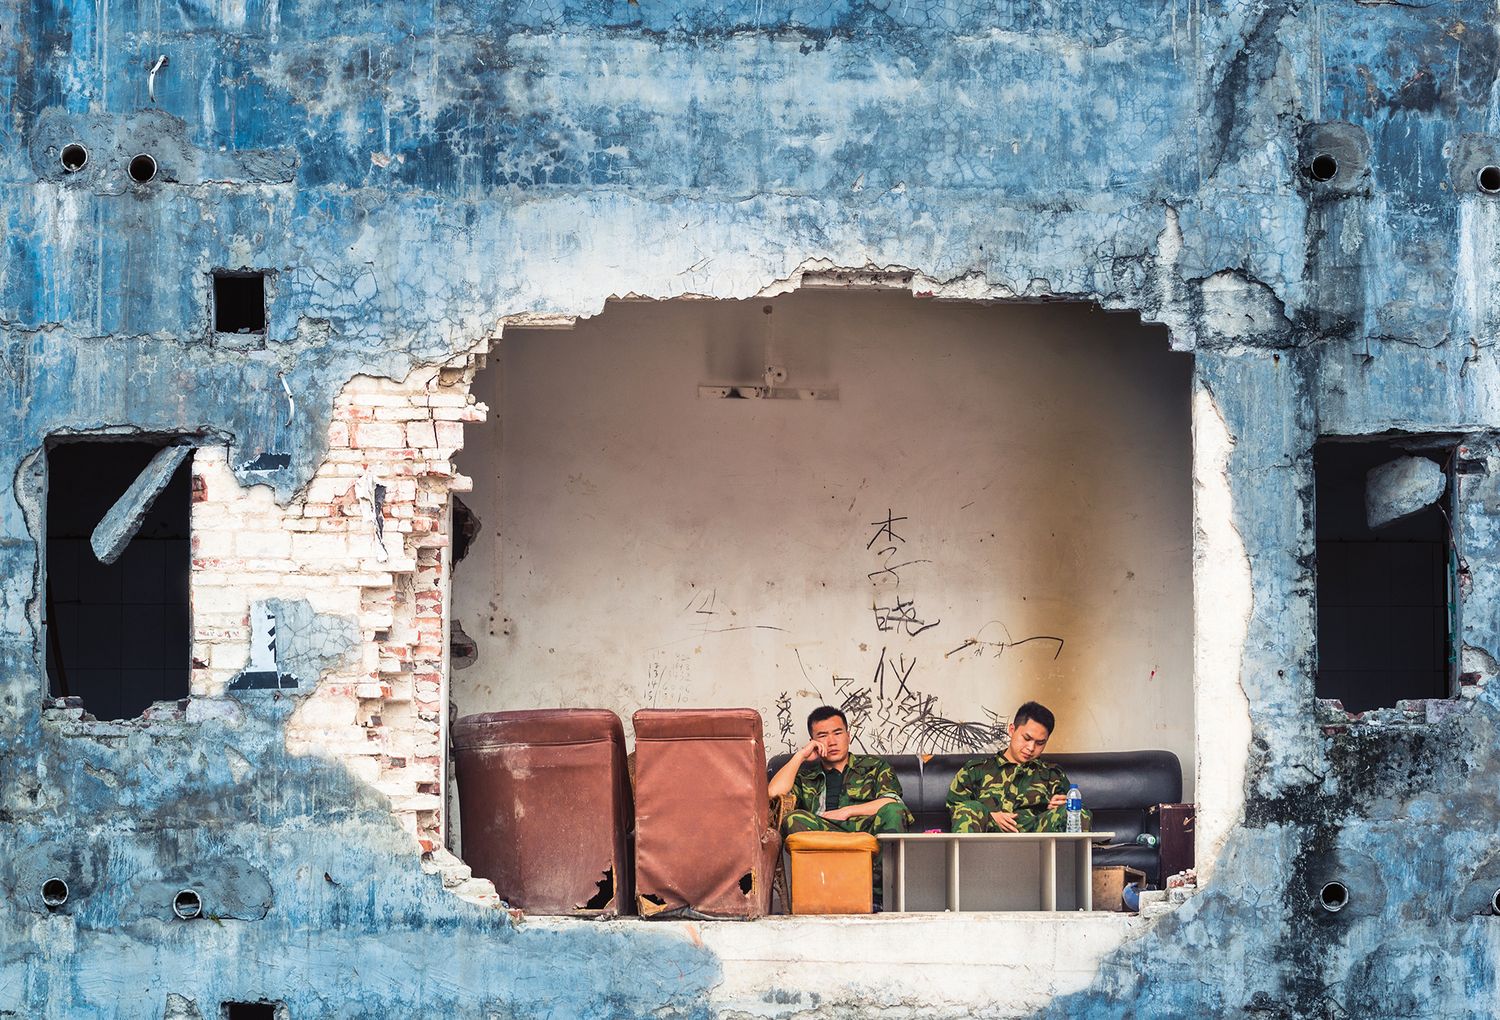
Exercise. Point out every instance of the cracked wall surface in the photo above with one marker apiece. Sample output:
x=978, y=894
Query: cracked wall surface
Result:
x=411, y=178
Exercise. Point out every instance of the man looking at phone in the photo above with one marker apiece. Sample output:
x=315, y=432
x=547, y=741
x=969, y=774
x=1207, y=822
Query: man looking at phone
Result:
x=837, y=791
x=1015, y=791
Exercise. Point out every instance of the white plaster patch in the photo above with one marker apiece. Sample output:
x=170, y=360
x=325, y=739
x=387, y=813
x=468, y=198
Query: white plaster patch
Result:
x=1237, y=307
x=1351, y=235
x=231, y=13
x=1222, y=603
x=1174, y=313
x=239, y=765
x=1476, y=309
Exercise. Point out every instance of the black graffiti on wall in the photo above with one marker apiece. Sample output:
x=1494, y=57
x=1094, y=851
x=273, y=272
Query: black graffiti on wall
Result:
x=784, y=718
x=890, y=715
x=890, y=712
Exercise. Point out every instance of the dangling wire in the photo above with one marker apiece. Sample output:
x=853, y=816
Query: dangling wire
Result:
x=770, y=348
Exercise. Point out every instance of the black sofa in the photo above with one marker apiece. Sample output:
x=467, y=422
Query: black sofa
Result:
x=1121, y=788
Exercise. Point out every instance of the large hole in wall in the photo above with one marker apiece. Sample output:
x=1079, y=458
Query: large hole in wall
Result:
x=1386, y=570
x=116, y=633
x=928, y=511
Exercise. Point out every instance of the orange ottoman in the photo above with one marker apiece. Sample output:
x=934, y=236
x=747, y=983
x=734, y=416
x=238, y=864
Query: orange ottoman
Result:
x=832, y=872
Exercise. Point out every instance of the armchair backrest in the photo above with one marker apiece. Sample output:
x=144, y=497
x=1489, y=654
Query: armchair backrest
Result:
x=702, y=813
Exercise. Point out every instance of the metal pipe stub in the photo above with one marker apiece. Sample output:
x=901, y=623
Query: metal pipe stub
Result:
x=54, y=893
x=142, y=168
x=187, y=904
x=74, y=157
x=1333, y=897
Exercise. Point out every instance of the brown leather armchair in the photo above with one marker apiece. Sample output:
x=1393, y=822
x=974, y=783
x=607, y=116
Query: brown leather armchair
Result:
x=705, y=845
x=546, y=809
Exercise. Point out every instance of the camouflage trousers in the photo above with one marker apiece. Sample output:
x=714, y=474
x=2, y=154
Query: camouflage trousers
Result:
x=974, y=816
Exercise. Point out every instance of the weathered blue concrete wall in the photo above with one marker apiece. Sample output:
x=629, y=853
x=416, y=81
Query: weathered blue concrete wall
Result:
x=413, y=175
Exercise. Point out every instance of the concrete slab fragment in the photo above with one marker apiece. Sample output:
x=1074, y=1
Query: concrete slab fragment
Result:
x=1401, y=487
x=124, y=518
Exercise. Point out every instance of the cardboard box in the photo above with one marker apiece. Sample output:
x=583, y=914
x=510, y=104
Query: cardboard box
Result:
x=1110, y=883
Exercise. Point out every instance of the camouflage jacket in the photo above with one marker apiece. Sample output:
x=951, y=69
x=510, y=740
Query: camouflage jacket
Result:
x=867, y=777
x=1001, y=785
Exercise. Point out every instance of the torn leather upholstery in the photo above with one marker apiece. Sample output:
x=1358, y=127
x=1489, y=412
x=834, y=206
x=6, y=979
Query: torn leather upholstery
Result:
x=705, y=845
x=545, y=806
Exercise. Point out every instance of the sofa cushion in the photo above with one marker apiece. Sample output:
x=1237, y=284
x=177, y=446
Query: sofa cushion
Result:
x=1125, y=823
x=908, y=769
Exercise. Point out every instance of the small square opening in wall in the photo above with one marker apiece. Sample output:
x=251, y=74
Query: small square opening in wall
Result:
x=118, y=558
x=239, y=301
x=249, y=1011
x=1386, y=570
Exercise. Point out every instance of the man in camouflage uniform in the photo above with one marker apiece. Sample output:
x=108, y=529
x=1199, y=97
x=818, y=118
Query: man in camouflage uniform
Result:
x=1014, y=791
x=836, y=791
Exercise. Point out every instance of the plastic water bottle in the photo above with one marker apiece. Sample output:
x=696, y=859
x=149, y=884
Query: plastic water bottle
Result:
x=1075, y=809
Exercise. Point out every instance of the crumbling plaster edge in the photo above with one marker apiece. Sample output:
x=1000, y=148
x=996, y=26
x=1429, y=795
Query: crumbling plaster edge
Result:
x=1223, y=604
x=399, y=368
x=29, y=490
x=1215, y=534
x=1164, y=298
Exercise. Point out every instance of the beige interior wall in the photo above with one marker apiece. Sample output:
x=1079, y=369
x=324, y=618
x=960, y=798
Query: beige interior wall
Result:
x=645, y=546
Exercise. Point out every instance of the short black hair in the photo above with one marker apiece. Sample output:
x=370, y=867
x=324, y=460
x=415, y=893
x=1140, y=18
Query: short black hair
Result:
x=1034, y=712
x=822, y=712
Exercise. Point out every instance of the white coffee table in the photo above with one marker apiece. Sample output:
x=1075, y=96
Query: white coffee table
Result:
x=935, y=871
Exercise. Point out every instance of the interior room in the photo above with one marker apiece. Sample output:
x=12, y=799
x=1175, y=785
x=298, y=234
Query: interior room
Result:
x=924, y=513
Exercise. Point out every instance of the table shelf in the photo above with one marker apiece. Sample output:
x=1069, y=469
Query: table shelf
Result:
x=957, y=871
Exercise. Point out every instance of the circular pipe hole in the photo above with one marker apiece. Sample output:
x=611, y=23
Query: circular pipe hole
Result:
x=1495, y=902
x=142, y=168
x=74, y=157
x=54, y=893
x=1489, y=179
x=1324, y=167
x=1334, y=897
x=187, y=905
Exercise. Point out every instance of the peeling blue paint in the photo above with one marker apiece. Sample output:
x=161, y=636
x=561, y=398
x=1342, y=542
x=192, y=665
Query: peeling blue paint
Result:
x=311, y=892
x=411, y=175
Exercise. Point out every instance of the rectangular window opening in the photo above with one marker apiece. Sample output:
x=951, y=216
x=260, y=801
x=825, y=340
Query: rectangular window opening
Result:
x=239, y=302
x=250, y=1011
x=1386, y=570
x=117, y=633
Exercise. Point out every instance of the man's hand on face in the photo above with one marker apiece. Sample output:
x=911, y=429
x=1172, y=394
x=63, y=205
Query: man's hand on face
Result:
x=1006, y=820
x=842, y=814
x=812, y=751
